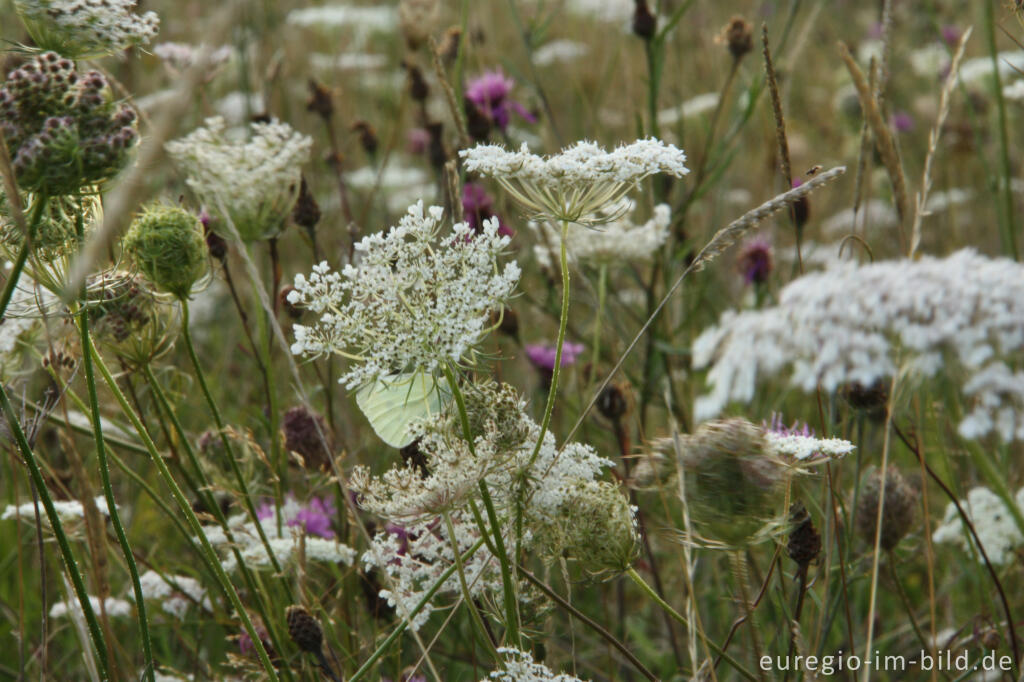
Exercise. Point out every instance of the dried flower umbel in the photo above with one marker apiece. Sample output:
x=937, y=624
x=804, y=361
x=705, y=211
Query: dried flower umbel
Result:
x=62, y=130
x=84, y=29
x=413, y=301
x=129, y=319
x=579, y=185
x=253, y=184
x=897, y=510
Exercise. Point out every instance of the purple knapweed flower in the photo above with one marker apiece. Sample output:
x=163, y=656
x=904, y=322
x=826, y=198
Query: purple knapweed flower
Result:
x=543, y=357
x=951, y=34
x=478, y=206
x=314, y=519
x=489, y=93
x=755, y=260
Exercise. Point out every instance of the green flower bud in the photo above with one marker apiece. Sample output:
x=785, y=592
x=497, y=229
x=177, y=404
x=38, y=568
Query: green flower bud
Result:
x=167, y=244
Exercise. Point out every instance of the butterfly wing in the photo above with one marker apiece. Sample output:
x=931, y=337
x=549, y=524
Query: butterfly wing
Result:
x=393, y=403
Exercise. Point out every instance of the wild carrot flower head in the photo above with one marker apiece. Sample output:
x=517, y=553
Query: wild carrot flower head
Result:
x=61, y=128
x=580, y=184
x=84, y=29
x=490, y=94
x=412, y=301
x=253, y=183
x=622, y=240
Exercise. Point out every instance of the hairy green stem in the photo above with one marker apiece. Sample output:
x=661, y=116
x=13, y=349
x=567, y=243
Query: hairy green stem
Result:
x=466, y=595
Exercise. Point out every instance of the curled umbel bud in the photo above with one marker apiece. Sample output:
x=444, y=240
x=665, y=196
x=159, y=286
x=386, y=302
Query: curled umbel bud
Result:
x=62, y=130
x=167, y=245
x=304, y=629
x=897, y=511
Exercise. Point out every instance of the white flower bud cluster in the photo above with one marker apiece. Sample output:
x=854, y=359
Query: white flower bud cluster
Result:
x=412, y=302
x=861, y=324
x=87, y=28
x=255, y=181
x=581, y=183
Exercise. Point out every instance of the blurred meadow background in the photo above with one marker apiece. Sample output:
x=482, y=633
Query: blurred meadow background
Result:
x=791, y=431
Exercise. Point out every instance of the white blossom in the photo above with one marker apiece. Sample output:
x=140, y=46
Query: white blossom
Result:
x=618, y=241
x=580, y=184
x=808, y=449
x=519, y=666
x=875, y=214
x=411, y=302
x=255, y=181
x=115, y=608
x=180, y=56
x=87, y=28
x=992, y=520
x=175, y=592
x=67, y=510
x=861, y=324
x=694, y=106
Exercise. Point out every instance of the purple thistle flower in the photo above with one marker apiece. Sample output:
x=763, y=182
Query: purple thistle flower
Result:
x=418, y=141
x=755, y=259
x=477, y=205
x=543, y=357
x=489, y=93
x=776, y=425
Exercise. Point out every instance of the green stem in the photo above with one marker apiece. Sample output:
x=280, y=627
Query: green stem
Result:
x=70, y=565
x=602, y=295
x=1009, y=237
x=19, y=262
x=498, y=548
x=563, y=321
x=108, y=492
x=650, y=592
x=210, y=555
x=258, y=594
x=466, y=595
x=225, y=441
x=406, y=618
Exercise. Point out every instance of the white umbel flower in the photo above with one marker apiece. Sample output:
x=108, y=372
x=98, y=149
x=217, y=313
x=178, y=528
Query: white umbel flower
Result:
x=116, y=608
x=621, y=240
x=580, y=184
x=255, y=181
x=861, y=324
x=67, y=510
x=174, y=592
x=411, y=303
x=519, y=666
x=80, y=29
x=992, y=520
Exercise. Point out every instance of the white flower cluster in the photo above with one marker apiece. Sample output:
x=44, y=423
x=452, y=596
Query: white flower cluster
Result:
x=992, y=520
x=67, y=510
x=619, y=241
x=116, y=608
x=519, y=666
x=415, y=553
x=286, y=544
x=175, y=593
x=808, y=449
x=87, y=28
x=255, y=181
x=412, y=302
x=862, y=324
x=579, y=184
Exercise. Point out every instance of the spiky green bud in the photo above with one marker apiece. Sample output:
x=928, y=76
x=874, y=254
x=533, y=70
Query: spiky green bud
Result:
x=166, y=242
